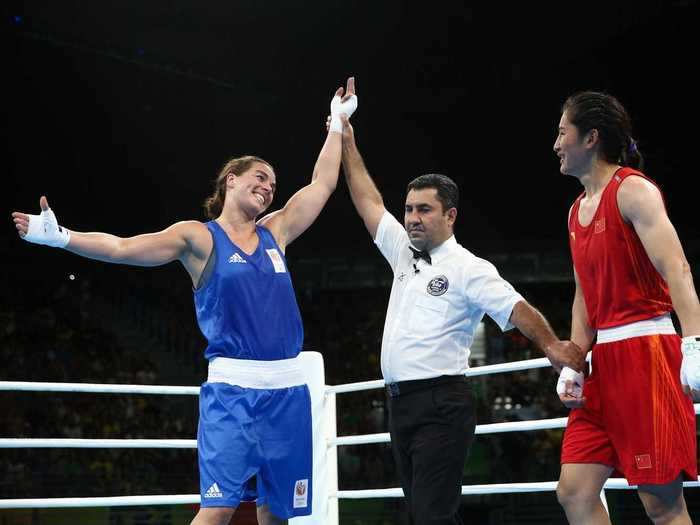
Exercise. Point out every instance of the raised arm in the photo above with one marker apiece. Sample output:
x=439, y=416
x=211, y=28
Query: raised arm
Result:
x=364, y=193
x=183, y=241
x=302, y=209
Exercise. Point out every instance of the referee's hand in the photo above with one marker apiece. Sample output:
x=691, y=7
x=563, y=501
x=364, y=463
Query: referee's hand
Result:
x=566, y=353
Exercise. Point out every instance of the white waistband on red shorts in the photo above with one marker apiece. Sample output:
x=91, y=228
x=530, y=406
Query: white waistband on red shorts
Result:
x=246, y=373
x=653, y=326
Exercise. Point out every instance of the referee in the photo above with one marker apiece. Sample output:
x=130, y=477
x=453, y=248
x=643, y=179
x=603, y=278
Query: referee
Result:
x=440, y=293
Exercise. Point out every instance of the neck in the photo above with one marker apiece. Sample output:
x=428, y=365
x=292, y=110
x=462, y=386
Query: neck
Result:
x=437, y=242
x=236, y=220
x=595, y=179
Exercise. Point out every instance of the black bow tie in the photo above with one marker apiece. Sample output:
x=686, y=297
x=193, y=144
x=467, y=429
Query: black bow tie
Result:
x=419, y=254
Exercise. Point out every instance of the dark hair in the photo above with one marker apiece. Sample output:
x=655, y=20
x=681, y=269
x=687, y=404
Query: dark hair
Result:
x=589, y=110
x=447, y=190
x=214, y=205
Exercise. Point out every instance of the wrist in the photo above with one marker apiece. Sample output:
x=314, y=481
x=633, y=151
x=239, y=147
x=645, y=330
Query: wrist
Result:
x=338, y=108
x=336, y=125
x=690, y=345
x=549, y=345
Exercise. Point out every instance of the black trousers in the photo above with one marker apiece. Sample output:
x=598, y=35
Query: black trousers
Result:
x=432, y=424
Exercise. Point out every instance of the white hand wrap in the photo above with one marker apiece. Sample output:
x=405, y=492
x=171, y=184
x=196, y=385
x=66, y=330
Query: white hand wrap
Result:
x=690, y=368
x=341, y=108
x=44, y=229
x=569, y=374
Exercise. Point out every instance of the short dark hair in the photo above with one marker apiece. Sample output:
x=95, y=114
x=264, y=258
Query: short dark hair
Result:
x=447, y=190
x=589, y=110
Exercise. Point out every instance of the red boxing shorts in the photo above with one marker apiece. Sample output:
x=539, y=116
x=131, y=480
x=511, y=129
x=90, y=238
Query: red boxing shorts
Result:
x=636, y=418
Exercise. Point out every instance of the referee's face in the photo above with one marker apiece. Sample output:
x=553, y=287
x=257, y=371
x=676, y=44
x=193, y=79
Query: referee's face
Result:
x=427, y=224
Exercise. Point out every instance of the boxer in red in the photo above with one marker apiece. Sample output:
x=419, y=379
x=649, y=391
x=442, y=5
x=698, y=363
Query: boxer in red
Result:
x=632, y=414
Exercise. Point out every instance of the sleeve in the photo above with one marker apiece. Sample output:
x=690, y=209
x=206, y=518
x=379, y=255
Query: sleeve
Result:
x=391, y=239
x=491, y=293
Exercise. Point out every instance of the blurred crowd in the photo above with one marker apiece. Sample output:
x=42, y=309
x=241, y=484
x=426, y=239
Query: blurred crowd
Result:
x=133, y=328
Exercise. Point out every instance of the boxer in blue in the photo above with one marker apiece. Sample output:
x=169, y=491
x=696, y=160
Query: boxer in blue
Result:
x=254, y=436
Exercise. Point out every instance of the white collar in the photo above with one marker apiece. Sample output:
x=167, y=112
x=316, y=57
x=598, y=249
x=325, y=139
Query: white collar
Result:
x=441, y=251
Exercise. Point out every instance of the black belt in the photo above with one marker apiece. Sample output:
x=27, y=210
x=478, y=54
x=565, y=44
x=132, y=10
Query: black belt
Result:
x=401, y=388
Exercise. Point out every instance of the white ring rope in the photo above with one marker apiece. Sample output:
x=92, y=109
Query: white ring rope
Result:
x=34, y=386
x=499, y=488
x=114, y=501
x=495, y=488
x=96, y=443
x=119, y=501
x=94, y=388
x=363, y=439
x=491, y=428
x=515, y=366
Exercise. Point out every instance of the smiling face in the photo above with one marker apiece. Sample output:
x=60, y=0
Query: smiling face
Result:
x=427, y=224
x=576, y=152
x=253, y=190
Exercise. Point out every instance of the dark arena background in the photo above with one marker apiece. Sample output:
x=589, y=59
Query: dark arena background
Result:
x=121, y=113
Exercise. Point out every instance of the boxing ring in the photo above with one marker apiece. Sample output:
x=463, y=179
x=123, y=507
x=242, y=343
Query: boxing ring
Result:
x=326, y=442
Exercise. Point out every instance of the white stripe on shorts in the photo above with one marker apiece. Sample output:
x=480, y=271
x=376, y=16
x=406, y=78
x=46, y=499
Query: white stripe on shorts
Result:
x=247, y=373
x=656, y=325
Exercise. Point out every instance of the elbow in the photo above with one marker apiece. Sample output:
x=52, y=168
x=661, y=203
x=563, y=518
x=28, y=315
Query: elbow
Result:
x=117, y=251
x=685, y=269
x=327, y=187
x=677, y=271
x=331, y=185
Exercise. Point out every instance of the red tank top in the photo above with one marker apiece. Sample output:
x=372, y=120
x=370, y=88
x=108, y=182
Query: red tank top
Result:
x=619, y=283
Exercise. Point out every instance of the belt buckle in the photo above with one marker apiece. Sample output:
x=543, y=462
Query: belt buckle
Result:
x=393, y=389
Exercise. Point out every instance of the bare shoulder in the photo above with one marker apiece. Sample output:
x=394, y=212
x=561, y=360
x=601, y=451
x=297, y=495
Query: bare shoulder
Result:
x=637, y=197
x=196, y=235
x=190, y=226
x=269, y=219
x=272, y=221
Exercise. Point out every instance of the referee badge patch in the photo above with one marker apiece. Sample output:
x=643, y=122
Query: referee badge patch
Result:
x=438, y=285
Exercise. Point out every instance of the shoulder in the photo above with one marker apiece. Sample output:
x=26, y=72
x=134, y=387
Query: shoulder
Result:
x=271, y=224
x=190, y=228
x=473, y=266
x=482, y=267
x=637, y=183
x=196, y=235
x=575, y=204
x=389, y=229
x=637, y=196
x=571, y=208
x=268, y=219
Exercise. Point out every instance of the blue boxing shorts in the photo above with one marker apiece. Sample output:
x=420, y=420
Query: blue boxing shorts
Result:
x=255, y=444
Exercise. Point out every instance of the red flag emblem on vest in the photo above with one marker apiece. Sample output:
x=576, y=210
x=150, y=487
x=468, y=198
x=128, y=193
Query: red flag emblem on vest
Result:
x=643, y=461
x=600, y=226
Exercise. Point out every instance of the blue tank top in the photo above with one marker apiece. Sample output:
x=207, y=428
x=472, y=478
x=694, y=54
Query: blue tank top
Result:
x=247, y=308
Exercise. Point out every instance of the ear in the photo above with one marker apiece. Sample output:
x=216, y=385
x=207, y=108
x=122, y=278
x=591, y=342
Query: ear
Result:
x=230, y=179
x=592, y=138
x=451, y=216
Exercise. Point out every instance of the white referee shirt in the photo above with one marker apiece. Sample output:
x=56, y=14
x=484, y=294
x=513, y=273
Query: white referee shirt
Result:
x=432, y=314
